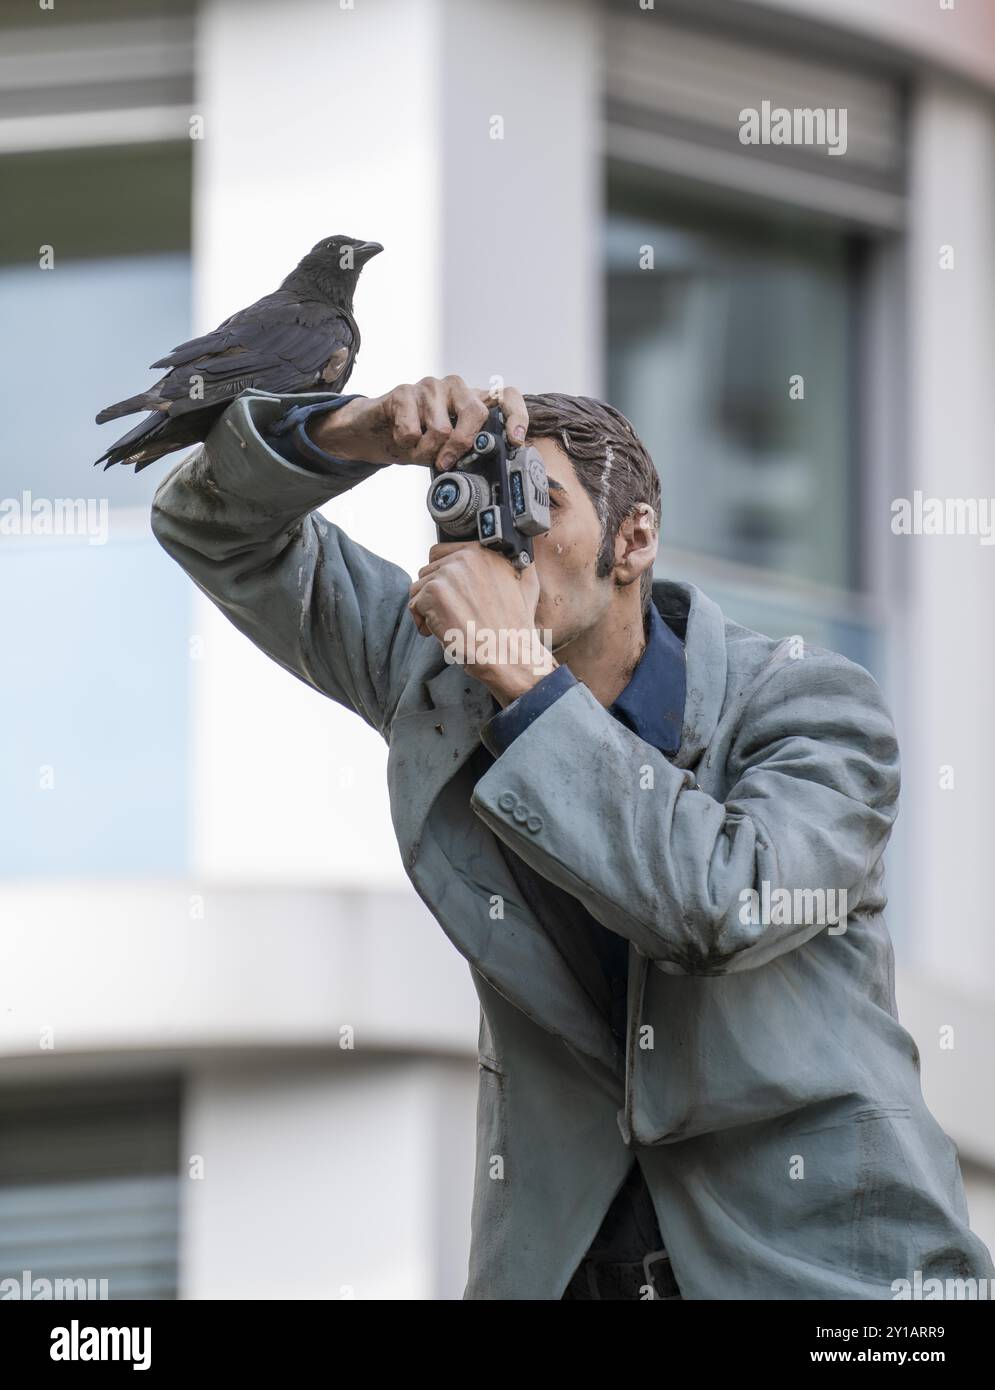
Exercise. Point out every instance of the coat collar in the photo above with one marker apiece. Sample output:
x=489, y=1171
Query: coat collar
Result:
x=705, y=653
x=652, y=704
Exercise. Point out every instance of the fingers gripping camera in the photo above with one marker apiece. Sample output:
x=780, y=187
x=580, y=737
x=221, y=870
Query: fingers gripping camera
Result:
x=496, y=494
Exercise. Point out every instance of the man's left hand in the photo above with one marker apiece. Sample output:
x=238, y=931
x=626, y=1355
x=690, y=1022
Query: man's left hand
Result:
x=483, y=609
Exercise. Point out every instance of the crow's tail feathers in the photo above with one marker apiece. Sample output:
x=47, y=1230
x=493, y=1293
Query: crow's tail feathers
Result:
x=145, y=400
x=139, y=446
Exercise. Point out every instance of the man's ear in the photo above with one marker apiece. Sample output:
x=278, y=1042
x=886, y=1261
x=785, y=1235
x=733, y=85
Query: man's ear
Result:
x=636, y=544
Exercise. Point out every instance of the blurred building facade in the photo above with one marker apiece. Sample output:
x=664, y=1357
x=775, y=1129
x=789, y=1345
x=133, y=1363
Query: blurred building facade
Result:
x=237, y=1059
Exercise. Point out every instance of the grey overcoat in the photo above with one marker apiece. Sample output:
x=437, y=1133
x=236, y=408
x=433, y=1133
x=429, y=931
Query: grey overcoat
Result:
x=766, y=1087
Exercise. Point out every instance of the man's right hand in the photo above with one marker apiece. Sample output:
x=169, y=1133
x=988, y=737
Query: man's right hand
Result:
x=432, y=423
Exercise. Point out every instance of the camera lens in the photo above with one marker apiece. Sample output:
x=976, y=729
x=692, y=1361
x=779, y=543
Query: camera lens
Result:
x=454, y=500
x=445, y=496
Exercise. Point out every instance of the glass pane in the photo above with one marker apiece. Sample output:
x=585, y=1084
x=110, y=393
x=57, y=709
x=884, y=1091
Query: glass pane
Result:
x=702, y=349
x=99, y=323
x=96, y=707
x=89, y=1191
x=98, y=699
x=81, y=334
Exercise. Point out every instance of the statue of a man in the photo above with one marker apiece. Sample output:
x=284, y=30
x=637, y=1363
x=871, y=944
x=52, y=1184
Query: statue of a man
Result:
x=655, y=835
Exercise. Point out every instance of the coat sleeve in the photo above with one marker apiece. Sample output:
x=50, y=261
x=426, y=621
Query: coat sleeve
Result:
x=813, y=777
x=242, y=522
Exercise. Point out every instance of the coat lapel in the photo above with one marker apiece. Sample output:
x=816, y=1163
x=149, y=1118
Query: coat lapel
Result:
x=454, y=863
x=429, y=744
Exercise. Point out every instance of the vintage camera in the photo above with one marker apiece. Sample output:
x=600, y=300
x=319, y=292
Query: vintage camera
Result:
x=496, y=494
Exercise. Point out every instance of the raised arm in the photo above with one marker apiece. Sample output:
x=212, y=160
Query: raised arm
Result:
x=240, y=517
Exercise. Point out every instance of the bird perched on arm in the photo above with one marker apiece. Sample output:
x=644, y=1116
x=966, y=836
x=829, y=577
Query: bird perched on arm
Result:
x=302, y=337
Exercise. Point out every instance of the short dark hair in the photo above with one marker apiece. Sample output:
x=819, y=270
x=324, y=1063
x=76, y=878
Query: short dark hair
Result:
x=610, y=460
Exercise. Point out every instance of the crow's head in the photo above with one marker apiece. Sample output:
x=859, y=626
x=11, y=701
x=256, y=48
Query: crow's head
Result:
x=332, y=266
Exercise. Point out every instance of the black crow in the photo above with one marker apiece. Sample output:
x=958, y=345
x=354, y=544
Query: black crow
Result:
x=302, y=337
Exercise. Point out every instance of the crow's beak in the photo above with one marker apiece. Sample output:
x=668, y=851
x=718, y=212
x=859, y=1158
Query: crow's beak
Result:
x=365, y=251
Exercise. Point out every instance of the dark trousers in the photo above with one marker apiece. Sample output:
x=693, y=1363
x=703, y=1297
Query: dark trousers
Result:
x=614, y=1264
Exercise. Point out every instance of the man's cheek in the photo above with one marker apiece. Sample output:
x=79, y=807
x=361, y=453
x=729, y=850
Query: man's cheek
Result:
x=551, y=583
x=549, y=609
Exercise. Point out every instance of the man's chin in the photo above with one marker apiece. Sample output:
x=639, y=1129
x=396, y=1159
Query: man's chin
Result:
x=548, y=634
x=555, y=633
x=555, y=639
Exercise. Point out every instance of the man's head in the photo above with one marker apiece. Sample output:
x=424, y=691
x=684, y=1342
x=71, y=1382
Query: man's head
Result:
x=597, y=560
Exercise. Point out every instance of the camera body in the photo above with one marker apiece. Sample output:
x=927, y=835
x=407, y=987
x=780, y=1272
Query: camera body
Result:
x=496, y=494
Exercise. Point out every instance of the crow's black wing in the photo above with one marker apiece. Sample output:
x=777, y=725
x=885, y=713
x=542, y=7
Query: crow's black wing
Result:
x=217, y=340
x=280, y=344
x=281, y=347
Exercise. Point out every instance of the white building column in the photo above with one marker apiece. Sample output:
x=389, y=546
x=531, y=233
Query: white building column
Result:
x=951, y=658
x=327, y=1181
x=522, y=193
x=318, y=119
x=381, y=126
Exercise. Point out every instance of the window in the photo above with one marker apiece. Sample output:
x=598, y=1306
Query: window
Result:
x=89, y=1187
x=745, y=357
x=116, y=298
x=98, y=698
x=710, y=350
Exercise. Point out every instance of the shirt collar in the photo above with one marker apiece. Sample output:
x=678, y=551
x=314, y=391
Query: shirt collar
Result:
x=652, y=704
